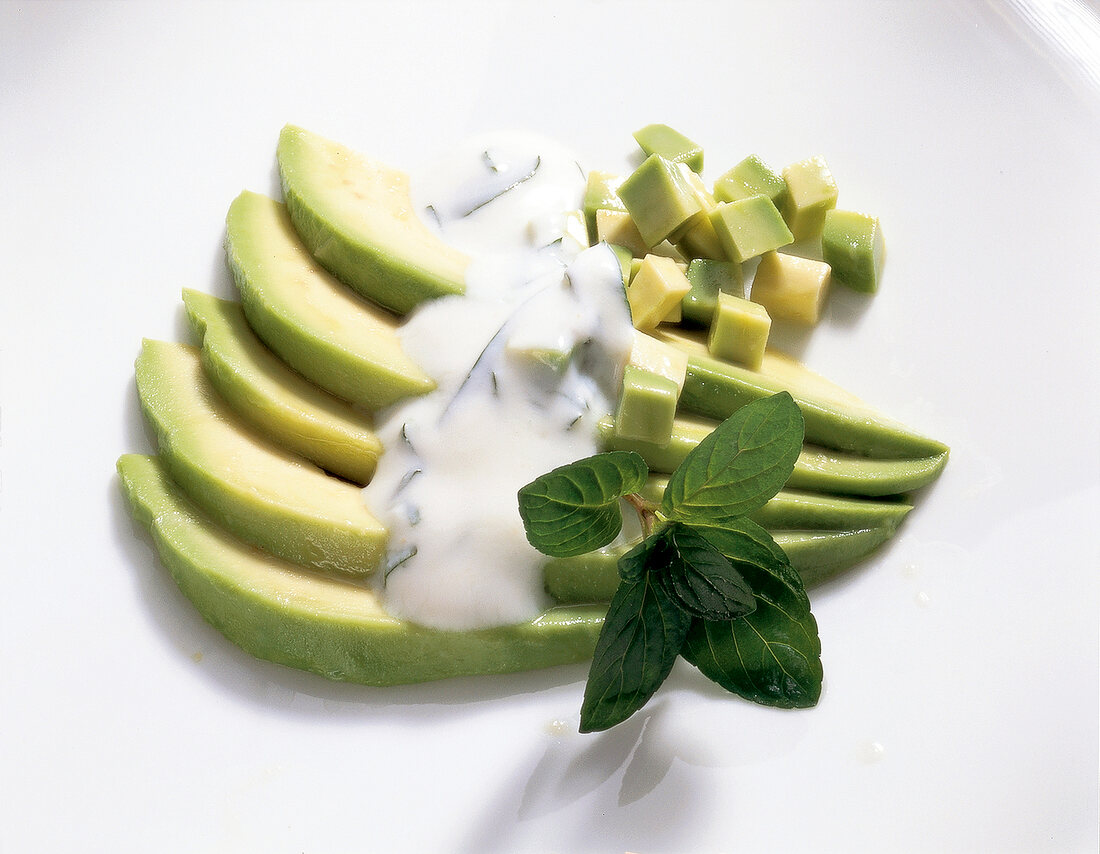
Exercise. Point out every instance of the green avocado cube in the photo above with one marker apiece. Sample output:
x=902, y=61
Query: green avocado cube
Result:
x=700, y=240
x=601, y=193
x=660, y=200
x=751, y=177
x=852, y=244
x=811, y=191
x=618, y=229
x=656, y=291
x=791, y=288
x=671, y=145
x=647, y=407
x=708, y=278
x=749, y=227
x=659, y=357
x=739, y=331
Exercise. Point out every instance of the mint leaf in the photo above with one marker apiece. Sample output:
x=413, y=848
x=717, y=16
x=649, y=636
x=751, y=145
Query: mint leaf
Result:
x=698, y=577
x=773, y=655
x=740, y=465
x=574, y=509
x=641, y=637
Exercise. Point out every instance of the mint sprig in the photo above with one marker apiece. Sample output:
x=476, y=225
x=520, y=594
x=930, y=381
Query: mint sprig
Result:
x=705, y=583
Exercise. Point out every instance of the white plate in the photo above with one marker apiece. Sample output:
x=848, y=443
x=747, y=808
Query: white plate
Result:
x=960, y=710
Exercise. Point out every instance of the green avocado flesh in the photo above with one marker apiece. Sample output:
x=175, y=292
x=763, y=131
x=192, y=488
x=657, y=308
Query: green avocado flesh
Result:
x=307, y=318
x=816, y=468
x=275, y=400
x=834, y=418
x=355, y=216
x=265, y=433
x=262, y=493
x=283, y=613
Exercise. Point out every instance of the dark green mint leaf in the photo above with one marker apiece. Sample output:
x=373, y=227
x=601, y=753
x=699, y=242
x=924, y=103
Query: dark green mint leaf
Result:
x=641, y=637
x=575, y=508
x=635, y=563
x=698, y=577
x=773, y=655
x=740, y=465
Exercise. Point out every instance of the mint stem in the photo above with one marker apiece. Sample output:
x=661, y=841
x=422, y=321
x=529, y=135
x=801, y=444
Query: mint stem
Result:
x=647, y=511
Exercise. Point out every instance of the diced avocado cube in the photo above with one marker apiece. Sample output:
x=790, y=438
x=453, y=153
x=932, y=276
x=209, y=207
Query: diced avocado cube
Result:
x=658, y=357
x=749, y=227
x=739, y=331
x=655, y=291
x=791, y=288
x=852, y=244
x=811, y=191
x=709, y=277
x=636, y=264
x=671, y=145
x=700, y=239
x=601, y=193
x=751, y=177
x=647, y=407
x=618, y=229
x=660, y=200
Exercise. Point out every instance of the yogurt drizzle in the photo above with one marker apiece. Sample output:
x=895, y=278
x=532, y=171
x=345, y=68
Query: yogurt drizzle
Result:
x=507, y=408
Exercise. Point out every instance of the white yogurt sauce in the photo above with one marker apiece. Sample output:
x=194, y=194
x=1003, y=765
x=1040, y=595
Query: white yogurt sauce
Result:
x=503, y=412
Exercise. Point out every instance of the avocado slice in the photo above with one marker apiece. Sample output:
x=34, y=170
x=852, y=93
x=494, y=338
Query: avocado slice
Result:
x=355, y=216
x=275, y=400
x=816, y=555
x=283, y=613
x=817, y=469
x=260, y=492
x=798, y=510
x=307, y=318
x=834, y=417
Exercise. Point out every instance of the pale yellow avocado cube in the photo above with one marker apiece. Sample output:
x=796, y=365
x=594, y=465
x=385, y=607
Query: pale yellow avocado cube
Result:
x=655, y=291
x=739, y=331
x=811, y=191
x=618, y=229
x=791, y=288
x=657, y=357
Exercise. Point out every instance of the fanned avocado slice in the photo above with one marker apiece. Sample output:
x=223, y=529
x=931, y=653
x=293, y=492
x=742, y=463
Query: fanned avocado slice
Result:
x=307, y=318
x=278, y=402
x=834, y=417
x=355, y=216
x=262, y=493
x=817, y=556
x=816, y=469
x=280, y=612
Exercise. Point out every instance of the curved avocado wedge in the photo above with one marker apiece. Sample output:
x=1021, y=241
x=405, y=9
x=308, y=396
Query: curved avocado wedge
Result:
x=355, y=216
x=796, y=510
x=816, y=555
x=260, y=492
x=278, y=402
x=834, y=418
x=280, y=612
x=310, y=320
x=816, y=469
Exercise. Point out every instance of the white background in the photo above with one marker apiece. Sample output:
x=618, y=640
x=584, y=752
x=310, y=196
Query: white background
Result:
x=960, y=708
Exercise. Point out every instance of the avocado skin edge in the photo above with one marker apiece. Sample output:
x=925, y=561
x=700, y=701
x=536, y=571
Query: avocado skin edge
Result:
x=212, y=569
